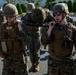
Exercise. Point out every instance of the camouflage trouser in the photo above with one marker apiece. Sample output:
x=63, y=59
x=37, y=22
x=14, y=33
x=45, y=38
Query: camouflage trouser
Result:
x=60, y=68
x=34, y=47
x=11, y=67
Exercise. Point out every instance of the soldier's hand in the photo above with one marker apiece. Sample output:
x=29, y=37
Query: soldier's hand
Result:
x=51, y=26
x=19, y=27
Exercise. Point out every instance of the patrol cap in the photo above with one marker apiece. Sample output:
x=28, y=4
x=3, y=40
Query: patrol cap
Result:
x=10, y=10
x=30, y=6
x=60, y=7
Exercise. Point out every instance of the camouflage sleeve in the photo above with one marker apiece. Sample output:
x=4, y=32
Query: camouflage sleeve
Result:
x=24, y=33
x=74, y=36
x=44, y=39
x=23, y=18
x=2, y=54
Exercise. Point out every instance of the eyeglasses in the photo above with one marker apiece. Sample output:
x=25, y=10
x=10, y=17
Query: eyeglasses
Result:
x=56, y=14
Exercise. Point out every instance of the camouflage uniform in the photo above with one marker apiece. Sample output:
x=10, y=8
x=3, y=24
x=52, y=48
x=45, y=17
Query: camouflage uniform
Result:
x=70, y=19
x=49, y=18
x=12, y=45
x=2, y=18
x=34, y=43
x=60, y=44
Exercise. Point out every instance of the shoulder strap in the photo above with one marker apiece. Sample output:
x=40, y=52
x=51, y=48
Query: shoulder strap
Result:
x=66, y=27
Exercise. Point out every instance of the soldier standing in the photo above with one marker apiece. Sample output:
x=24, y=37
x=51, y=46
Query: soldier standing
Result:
x=34, y=43
x=2, y=18
x=12, y=44
x=60, y=36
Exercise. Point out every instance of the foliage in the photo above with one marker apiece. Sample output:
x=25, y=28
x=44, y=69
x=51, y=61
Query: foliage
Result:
x=23, y=7
x=30, y=1
x=4, y=5
x=69, y=3
x=64, y=1
x=37, y=4
x=19, y=8
x=74, y=6
x=53, y=3
x=49, y=4
x=11, y=1
x=60, y=2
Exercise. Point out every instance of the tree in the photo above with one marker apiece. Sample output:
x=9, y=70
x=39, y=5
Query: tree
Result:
x=69, y=3
x=74, y=6
x=19, y=8
x=30, y=1
x=4, y=5
x=23, y=7
x=11, y=1
x=64, y=1
x=38, y=3
x=53, y=3
x=50, y=4
x=60, y=2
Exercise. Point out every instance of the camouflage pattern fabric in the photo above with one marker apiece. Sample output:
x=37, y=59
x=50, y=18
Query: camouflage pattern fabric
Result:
x=70, y=19
x=1, y=17
x=33, y=42
x=60, y=7
x=60, y=50
x=14, y=57
x=43, y=36
x=60, y=67
x=34, y=45
x=12, y=8
x=14, y=66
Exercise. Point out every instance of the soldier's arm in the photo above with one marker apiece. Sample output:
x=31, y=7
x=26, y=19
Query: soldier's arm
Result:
x=2, y=52
x=23, y=32
x=46, y=33
x=45, y=40
x=74, y=36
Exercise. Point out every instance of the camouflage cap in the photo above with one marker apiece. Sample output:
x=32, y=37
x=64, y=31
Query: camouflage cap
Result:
x=38, y=15
x=30, y=6
x=60, y=7
x=10, y=9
